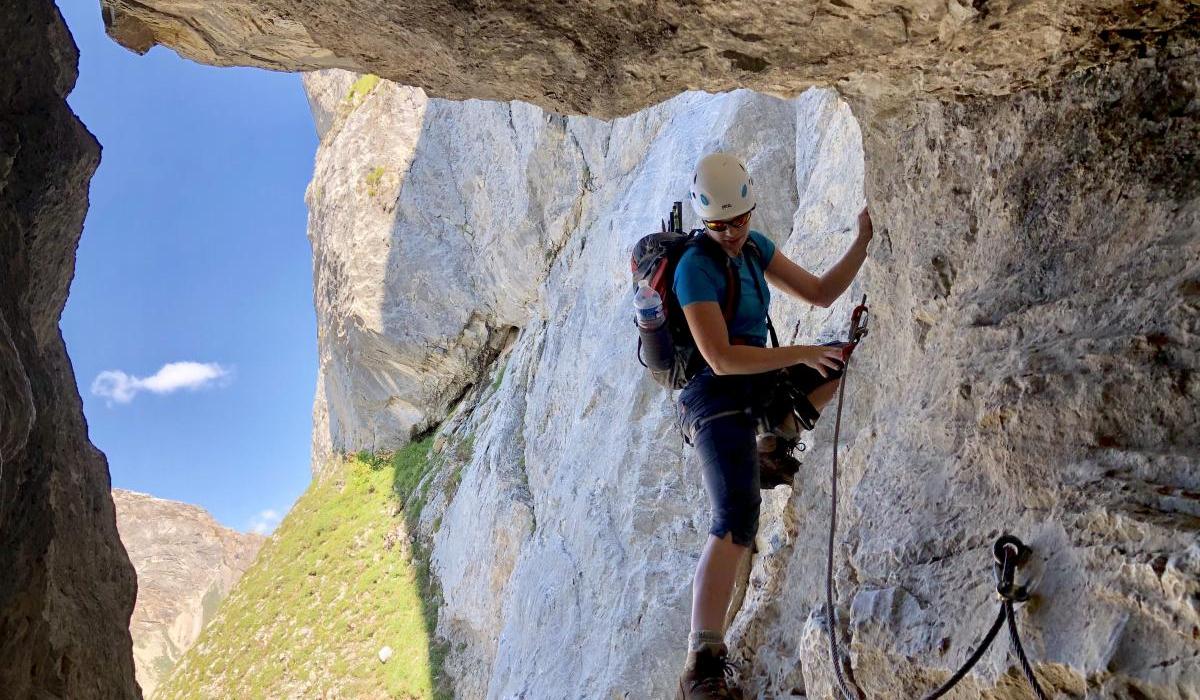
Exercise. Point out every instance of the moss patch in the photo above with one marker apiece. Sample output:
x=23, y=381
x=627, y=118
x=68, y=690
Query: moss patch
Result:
x=499, y=379
x=362, y=87
x=338, y=581
x=372, y=180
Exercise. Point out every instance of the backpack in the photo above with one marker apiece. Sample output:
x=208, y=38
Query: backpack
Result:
x=654, y=259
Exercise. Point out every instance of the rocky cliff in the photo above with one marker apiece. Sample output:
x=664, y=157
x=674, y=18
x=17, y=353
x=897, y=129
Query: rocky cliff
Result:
x=186, y=564
x=66, y=586
x=501, y=216
x=1032, y=370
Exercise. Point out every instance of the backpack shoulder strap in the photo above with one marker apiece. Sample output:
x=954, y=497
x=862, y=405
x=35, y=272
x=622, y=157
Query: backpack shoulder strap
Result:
x=756, y=254
x=732, y=281
x=733, y=292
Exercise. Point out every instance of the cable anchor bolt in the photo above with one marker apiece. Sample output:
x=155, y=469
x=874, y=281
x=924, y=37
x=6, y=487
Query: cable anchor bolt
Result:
x=1010, y=553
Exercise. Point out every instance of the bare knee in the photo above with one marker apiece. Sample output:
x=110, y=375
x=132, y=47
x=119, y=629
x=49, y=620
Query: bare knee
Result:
x=822, y=394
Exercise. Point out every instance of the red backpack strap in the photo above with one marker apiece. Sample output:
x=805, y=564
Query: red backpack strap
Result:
x=733, y=281
x=733, y=285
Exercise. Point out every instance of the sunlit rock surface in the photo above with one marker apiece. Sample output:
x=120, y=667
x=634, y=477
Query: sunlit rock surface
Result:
x=602, y=581
x=433, y=224
x=186, y=564
x=66, y=586
x=606, y=59
x=577, y=522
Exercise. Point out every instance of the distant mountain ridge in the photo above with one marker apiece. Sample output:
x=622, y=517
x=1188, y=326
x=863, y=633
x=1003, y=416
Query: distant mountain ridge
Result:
x=186, y=564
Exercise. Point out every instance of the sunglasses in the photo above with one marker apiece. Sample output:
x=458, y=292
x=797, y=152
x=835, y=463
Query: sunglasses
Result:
x=736, y=222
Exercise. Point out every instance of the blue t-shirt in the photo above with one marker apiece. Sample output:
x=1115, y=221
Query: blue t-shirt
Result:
x=700, y=277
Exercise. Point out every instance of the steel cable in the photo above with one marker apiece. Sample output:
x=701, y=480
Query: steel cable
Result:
x=830, y=618
x=1016, y=642
x=975, y=657
x=1004, y=574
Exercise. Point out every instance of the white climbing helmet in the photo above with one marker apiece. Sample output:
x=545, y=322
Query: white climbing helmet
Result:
x=721, y=187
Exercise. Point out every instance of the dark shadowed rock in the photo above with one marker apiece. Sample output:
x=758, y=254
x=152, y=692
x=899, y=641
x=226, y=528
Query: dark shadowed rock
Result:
x=66, y=586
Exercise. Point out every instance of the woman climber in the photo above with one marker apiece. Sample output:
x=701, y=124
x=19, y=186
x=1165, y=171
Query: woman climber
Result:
x=725, y=404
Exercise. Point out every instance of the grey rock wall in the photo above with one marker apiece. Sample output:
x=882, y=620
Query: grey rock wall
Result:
x=575, y=528
x=577, y=459
x=66, y=585
x=609, y=60
x=1032, y=369
x=432, y=225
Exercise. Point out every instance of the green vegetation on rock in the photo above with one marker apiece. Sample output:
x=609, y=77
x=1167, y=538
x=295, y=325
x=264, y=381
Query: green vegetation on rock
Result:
x=372, y=179
x=338, y=581
x=463, y=450
x=162, y=665
x=499, y=379
x=362, y=87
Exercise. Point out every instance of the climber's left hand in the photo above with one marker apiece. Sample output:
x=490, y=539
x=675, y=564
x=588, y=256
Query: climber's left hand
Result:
x=866, y=230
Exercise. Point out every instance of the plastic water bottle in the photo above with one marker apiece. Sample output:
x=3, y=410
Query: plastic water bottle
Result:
x=655, y=347
x=649, y=306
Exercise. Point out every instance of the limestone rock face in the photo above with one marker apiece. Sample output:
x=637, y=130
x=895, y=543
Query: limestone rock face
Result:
x=186, y=564
x=576, y=520
x=1033, y=369
x=606, y=60
x=432, y=225
x=66, y=586
x=576, y=531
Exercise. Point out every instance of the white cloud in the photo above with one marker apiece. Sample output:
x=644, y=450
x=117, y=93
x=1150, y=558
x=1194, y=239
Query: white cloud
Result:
x=120, y=387
x=264, y=523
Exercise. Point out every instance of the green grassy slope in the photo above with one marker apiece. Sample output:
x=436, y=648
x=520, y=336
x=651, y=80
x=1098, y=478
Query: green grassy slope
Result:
x=339, y=580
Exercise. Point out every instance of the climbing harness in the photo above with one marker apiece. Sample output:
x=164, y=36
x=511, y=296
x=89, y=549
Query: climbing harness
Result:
x=1008, y=553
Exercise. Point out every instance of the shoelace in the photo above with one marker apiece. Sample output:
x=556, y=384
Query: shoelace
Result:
x=719, y=682
x=789, y=447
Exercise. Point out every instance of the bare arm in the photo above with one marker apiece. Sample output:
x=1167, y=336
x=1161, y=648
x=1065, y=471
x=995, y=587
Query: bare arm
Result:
x=824, y=290
x=712, y=338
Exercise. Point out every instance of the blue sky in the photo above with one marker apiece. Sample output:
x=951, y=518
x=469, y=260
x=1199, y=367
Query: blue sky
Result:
x=194, y=251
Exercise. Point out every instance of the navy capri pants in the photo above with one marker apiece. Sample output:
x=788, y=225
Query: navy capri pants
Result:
x=721, y=415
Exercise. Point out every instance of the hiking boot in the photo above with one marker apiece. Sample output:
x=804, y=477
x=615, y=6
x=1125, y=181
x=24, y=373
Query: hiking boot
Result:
x=776, y=468
x=776, y=465
x=704, y=676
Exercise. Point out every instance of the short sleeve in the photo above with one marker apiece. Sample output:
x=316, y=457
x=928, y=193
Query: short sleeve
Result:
x=765, y=245
x=694, y=281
